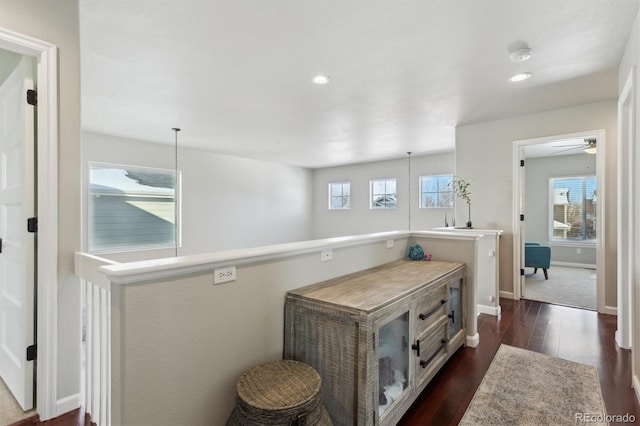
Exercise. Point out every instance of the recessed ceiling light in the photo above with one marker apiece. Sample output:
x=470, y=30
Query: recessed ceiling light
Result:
x=321, y=79
x=521, y=76
x=520, y=55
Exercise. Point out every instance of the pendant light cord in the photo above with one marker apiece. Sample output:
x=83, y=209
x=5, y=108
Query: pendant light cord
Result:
x=409, y=187
x=175, y=191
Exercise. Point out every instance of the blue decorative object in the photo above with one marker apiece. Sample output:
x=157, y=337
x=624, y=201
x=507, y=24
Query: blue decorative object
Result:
x=416, y=252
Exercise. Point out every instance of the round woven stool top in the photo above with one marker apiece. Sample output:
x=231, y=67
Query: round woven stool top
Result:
x=279, y=385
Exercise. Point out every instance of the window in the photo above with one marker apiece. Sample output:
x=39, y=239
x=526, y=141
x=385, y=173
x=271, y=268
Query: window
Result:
x=383, y=194
x=436, y=191
x=573, y=209
x=339, y=196
x=131, y=208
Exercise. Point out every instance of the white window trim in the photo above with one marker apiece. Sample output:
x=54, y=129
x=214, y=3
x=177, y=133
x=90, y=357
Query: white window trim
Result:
x=329, y=186
x=371, y=206
x=439, y=192
x=558, y=242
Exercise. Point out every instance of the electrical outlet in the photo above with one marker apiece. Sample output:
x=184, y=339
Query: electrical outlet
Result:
x=578, y=250
x=326, y=255
x=390, y=243
x=224, y=275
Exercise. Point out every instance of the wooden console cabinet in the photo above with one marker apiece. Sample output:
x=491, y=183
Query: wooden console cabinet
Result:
x=377, y=336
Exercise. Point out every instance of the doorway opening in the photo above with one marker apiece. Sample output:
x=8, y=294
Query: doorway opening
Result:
x=44, y=325
x=558, y=234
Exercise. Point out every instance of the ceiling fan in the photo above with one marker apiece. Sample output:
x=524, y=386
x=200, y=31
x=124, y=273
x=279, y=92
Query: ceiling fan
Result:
x=588, y=146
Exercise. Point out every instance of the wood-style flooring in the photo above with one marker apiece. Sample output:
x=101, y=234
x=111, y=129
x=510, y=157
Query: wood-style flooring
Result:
x=574, y=334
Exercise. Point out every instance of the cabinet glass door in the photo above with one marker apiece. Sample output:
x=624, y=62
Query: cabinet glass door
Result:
x=393, y=361
x=455, y=307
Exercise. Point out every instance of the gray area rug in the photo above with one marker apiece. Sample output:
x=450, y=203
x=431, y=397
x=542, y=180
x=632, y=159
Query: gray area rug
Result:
x=523, y=387
x=567, y=286
x=10, y=411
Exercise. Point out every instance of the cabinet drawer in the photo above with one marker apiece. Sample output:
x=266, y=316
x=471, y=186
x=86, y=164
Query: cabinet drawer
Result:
x=432, y=347
x=431, y=308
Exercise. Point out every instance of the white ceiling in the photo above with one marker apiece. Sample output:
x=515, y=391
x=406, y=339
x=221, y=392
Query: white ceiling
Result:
x=236, y=75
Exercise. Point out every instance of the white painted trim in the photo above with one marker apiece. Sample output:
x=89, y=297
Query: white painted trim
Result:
x=69, y=403
x=611, y=310
x=491, y=310
x=574, y=265
x=472, y=341
x=134, y=272
x=47, y=266
x=625, y=208
x=507, y=294
x=518, y=154
x=636, y=386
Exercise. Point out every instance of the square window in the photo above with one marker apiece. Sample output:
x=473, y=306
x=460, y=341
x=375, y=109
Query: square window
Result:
x=383, y=194
x=436, y=191
x=340, y=196
x=132, y=208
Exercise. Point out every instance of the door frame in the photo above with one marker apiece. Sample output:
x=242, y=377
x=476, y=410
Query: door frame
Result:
x=46, y=55
x=518, y=207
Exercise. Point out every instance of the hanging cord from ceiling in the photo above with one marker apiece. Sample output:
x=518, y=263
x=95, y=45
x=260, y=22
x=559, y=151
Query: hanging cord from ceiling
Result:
x=409, y=185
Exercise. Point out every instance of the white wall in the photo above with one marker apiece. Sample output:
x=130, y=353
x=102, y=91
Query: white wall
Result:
x=484, y=154
x=57, y=22
x=538, y=171
x=227, y=202
x=360, y=219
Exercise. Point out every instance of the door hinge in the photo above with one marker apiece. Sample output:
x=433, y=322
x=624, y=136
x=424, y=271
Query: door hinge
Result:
x=521, y=163
x=521, y=218
x=32, y=97
x=32, y=352
x=32, y=224
x=522, y=272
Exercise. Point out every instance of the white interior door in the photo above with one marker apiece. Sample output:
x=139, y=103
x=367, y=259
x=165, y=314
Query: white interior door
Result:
x=17, y=257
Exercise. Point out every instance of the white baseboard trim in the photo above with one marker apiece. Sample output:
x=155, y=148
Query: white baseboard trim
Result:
x=610, y=310
x=507, y=294
x=68, y=403
x=636, y=386
x=472, y=341
x=491, y=310
x=574, y=265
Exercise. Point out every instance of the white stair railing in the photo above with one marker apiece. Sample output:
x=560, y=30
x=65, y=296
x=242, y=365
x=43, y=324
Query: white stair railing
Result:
x=96, y=295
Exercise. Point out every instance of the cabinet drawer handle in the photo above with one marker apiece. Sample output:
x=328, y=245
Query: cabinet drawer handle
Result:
x=424, y=363
x=433, y=311
x=416, y=347
x=452, y=315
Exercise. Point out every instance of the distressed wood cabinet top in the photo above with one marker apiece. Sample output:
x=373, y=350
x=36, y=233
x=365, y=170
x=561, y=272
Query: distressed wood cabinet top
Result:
x=374, y=288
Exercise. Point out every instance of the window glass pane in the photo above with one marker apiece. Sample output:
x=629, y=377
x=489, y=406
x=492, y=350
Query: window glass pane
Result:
x=444, y=183
x=430, y=199
x=445, y=200
x=131, y=207
x=430, y=184
x=379, y=187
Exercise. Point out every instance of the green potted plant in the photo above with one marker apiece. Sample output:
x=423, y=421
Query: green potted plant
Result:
x=461, y=189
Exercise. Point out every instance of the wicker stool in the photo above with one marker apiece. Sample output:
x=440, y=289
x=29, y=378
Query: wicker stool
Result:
x=283, y=393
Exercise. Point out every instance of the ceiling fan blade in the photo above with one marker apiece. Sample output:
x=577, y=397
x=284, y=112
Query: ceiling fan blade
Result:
x=568, y=149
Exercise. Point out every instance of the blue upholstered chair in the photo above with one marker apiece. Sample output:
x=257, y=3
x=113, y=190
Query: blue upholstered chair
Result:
x=537, y=256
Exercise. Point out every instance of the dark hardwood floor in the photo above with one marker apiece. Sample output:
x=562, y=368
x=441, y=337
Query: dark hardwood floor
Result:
x=574, y=334
x=569, y=333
